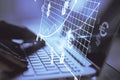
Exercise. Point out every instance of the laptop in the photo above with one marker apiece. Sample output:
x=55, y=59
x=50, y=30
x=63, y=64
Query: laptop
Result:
x=78, y=34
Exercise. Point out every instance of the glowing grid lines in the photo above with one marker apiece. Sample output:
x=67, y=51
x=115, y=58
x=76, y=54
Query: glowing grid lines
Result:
x=54, y=52
x=82, y=22
x=48, y=10
x=49, y=7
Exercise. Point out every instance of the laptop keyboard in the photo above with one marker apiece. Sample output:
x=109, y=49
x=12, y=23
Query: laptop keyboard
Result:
x=40, y=64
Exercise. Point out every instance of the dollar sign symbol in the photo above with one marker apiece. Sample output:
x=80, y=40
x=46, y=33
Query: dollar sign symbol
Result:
x=66, y=4
x=48, y=10
x=70, y=37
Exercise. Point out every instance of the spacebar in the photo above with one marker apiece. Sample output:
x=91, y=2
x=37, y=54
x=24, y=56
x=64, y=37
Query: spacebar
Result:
x=47, y=72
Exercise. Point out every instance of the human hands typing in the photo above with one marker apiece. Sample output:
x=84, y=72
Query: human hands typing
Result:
x=11, y=53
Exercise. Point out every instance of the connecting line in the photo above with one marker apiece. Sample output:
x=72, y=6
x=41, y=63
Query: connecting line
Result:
x=39, y=35
x=87, y=18
x=51, y=21
x=61, y=23
x=75, y=78
x=52, y=55
x=48, y=9
x=48, y=13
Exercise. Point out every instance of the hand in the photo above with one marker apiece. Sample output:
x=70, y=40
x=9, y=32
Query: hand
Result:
x=10, y=31
x=13, y=50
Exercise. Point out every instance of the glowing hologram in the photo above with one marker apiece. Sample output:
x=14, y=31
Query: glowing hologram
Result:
x=52, y=55
x=39, y=38
x=63, y=63
x=70, y=38
x=42, y=9
x=71, y=72
x=67, y=41
x=39, y=35
x=48, y=10
x=66, y=5
x=62, y=58
x=75, y=78
x=61, y=50
x=87, y=18
x=61, y=25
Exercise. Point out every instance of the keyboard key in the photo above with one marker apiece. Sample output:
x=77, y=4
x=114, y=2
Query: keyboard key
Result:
x=47, y=72
x=32, y=58
x=38, y=67
x=71, y=64
x=40, y=70
x=41, y=50
x=33, y=55
x=75, y=67
x=46, y=60
x=42, y=53
x=56, y=61
x=39, y=64
x=64, y=70
x=47, y=63
x=29, y=73
x=44, y=56
x=61, y=65
x=36, y=61
x=50, y=66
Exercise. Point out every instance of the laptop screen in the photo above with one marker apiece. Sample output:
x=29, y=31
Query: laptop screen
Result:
x=87, y=25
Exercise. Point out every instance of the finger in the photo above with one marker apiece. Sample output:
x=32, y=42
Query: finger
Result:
x=33, y=47
x=12, y=47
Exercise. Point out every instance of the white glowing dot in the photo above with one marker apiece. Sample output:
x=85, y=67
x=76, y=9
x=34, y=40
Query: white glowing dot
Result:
x=48, y=12
x=35, y=0
x=66, y=5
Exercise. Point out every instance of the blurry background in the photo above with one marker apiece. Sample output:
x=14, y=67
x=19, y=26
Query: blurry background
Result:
x=22, y=12
x=16, y=11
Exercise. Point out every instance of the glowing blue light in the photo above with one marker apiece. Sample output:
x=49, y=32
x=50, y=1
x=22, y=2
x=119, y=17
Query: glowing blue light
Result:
x=66, y=4
x=70, y=38
x=35, y=0
x=52, y=14
x=50, y=24
x=48, y=11
x=52, y=55
x=62, y=57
